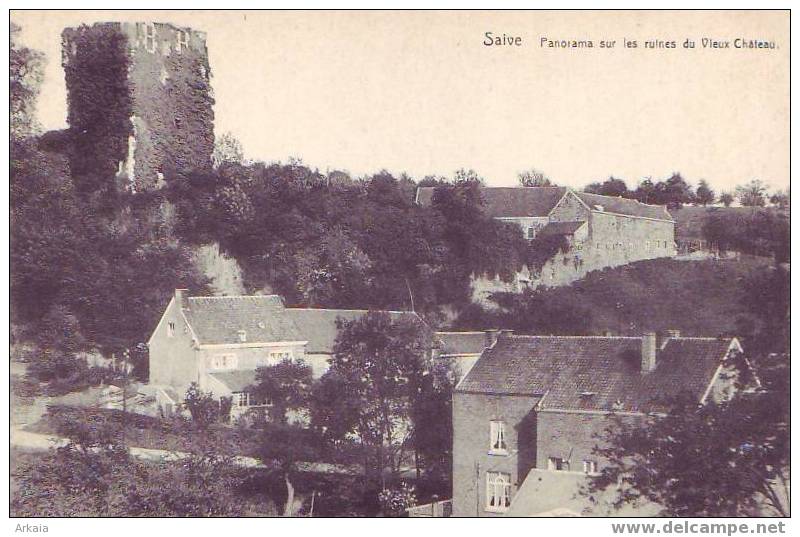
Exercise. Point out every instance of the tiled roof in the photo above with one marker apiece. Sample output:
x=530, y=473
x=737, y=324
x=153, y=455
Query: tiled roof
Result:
x=560, y=228
x=236, y=380
x=516, y=202
x=217, y=320
x=614, y=204
x=509, y=202
x=318, y=326
x=594, y=373
x=460, y=342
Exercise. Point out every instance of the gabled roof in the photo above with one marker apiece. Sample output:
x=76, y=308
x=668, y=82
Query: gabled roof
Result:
x=460, y=343
x=218, y=320
x=318, y=326
x=509, y=202
x=618, y=205
x=560, y=228
x=595, y=373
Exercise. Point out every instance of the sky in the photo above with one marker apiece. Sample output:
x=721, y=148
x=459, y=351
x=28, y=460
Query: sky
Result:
x=420, y=92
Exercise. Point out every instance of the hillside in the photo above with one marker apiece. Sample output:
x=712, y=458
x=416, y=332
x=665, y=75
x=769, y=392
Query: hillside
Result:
x=699, y=297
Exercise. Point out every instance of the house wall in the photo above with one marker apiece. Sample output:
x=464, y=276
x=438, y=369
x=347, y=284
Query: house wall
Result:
x=569, y=209
x=173, y=360
x=472, y=414
x=572, y=436
x=247, y=359
x=617, y=240
x=535, y=222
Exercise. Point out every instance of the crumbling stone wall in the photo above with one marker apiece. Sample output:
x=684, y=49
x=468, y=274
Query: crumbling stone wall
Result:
x=140, y=102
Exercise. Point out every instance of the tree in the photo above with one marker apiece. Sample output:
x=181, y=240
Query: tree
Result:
x=26, y=75
x=227, y=149
x=780, y=199
x=281, y=447
x=533, y=177
x=644, y=191
x=379, y=360
x=203, y=407
x=704, y=195
x=726, y=198
x=287, y=385
x=610, y=187
x=674, y=192
x=752, y=194
x=725, y=459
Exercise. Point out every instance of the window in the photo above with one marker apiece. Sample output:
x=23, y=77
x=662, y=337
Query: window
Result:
x=242, y=335
x=498, y=491
x=497, y=437
x=170, y=329
x=183, y=40
x=240, y=399
x=589, y=467
x=647, y=245
x=531, y=232
x=150, y=37
x=558, y=464
x=223, y=361
x=245, y=399
x=277, y=357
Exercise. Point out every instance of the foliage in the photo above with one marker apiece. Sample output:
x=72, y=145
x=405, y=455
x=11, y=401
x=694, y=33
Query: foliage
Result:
x=26, y=75
x=203, y=406
x=377, y=362
x=286, y=384
x=610, y=187
x=543, y=248
x=757, y=232
x=99, y=103
x=533, y=178
x=227, y=149
x=396, y=501
x=716, y=460
x=752, y=194
x=780, y=199
x=703, y=194
x=726, y=198
x=106, y=481
x=431, y=416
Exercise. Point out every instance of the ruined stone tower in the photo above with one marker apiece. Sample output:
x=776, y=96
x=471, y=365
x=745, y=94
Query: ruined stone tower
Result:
x=139, y=103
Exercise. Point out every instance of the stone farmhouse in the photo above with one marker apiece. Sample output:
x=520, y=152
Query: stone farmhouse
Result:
x=526, y=415
x=218, y=342
x=598, y=231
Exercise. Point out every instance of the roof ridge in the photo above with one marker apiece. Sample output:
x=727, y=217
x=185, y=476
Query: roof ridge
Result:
x=574, y=337
x=340, y=309
x=465, y=332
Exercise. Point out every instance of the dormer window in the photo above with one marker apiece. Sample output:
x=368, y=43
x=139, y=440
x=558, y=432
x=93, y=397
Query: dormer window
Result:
x=242, y=335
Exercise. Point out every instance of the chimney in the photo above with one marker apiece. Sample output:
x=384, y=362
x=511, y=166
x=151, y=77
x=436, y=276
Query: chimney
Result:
x=491, y=337
x=673, y=333
x=179, y=296
x=506, y=333
x=648, y=351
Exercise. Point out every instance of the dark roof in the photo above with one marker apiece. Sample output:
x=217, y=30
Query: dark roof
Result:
x=516, y=202
x=217, y=320
x=318, y=326
x=460, y=342
x=560, y=228
x=236, y=380
x=614, y=204
x=593, y=373
x=509, y=202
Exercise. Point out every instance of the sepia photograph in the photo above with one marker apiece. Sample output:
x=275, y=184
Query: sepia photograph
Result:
x=400, y=264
